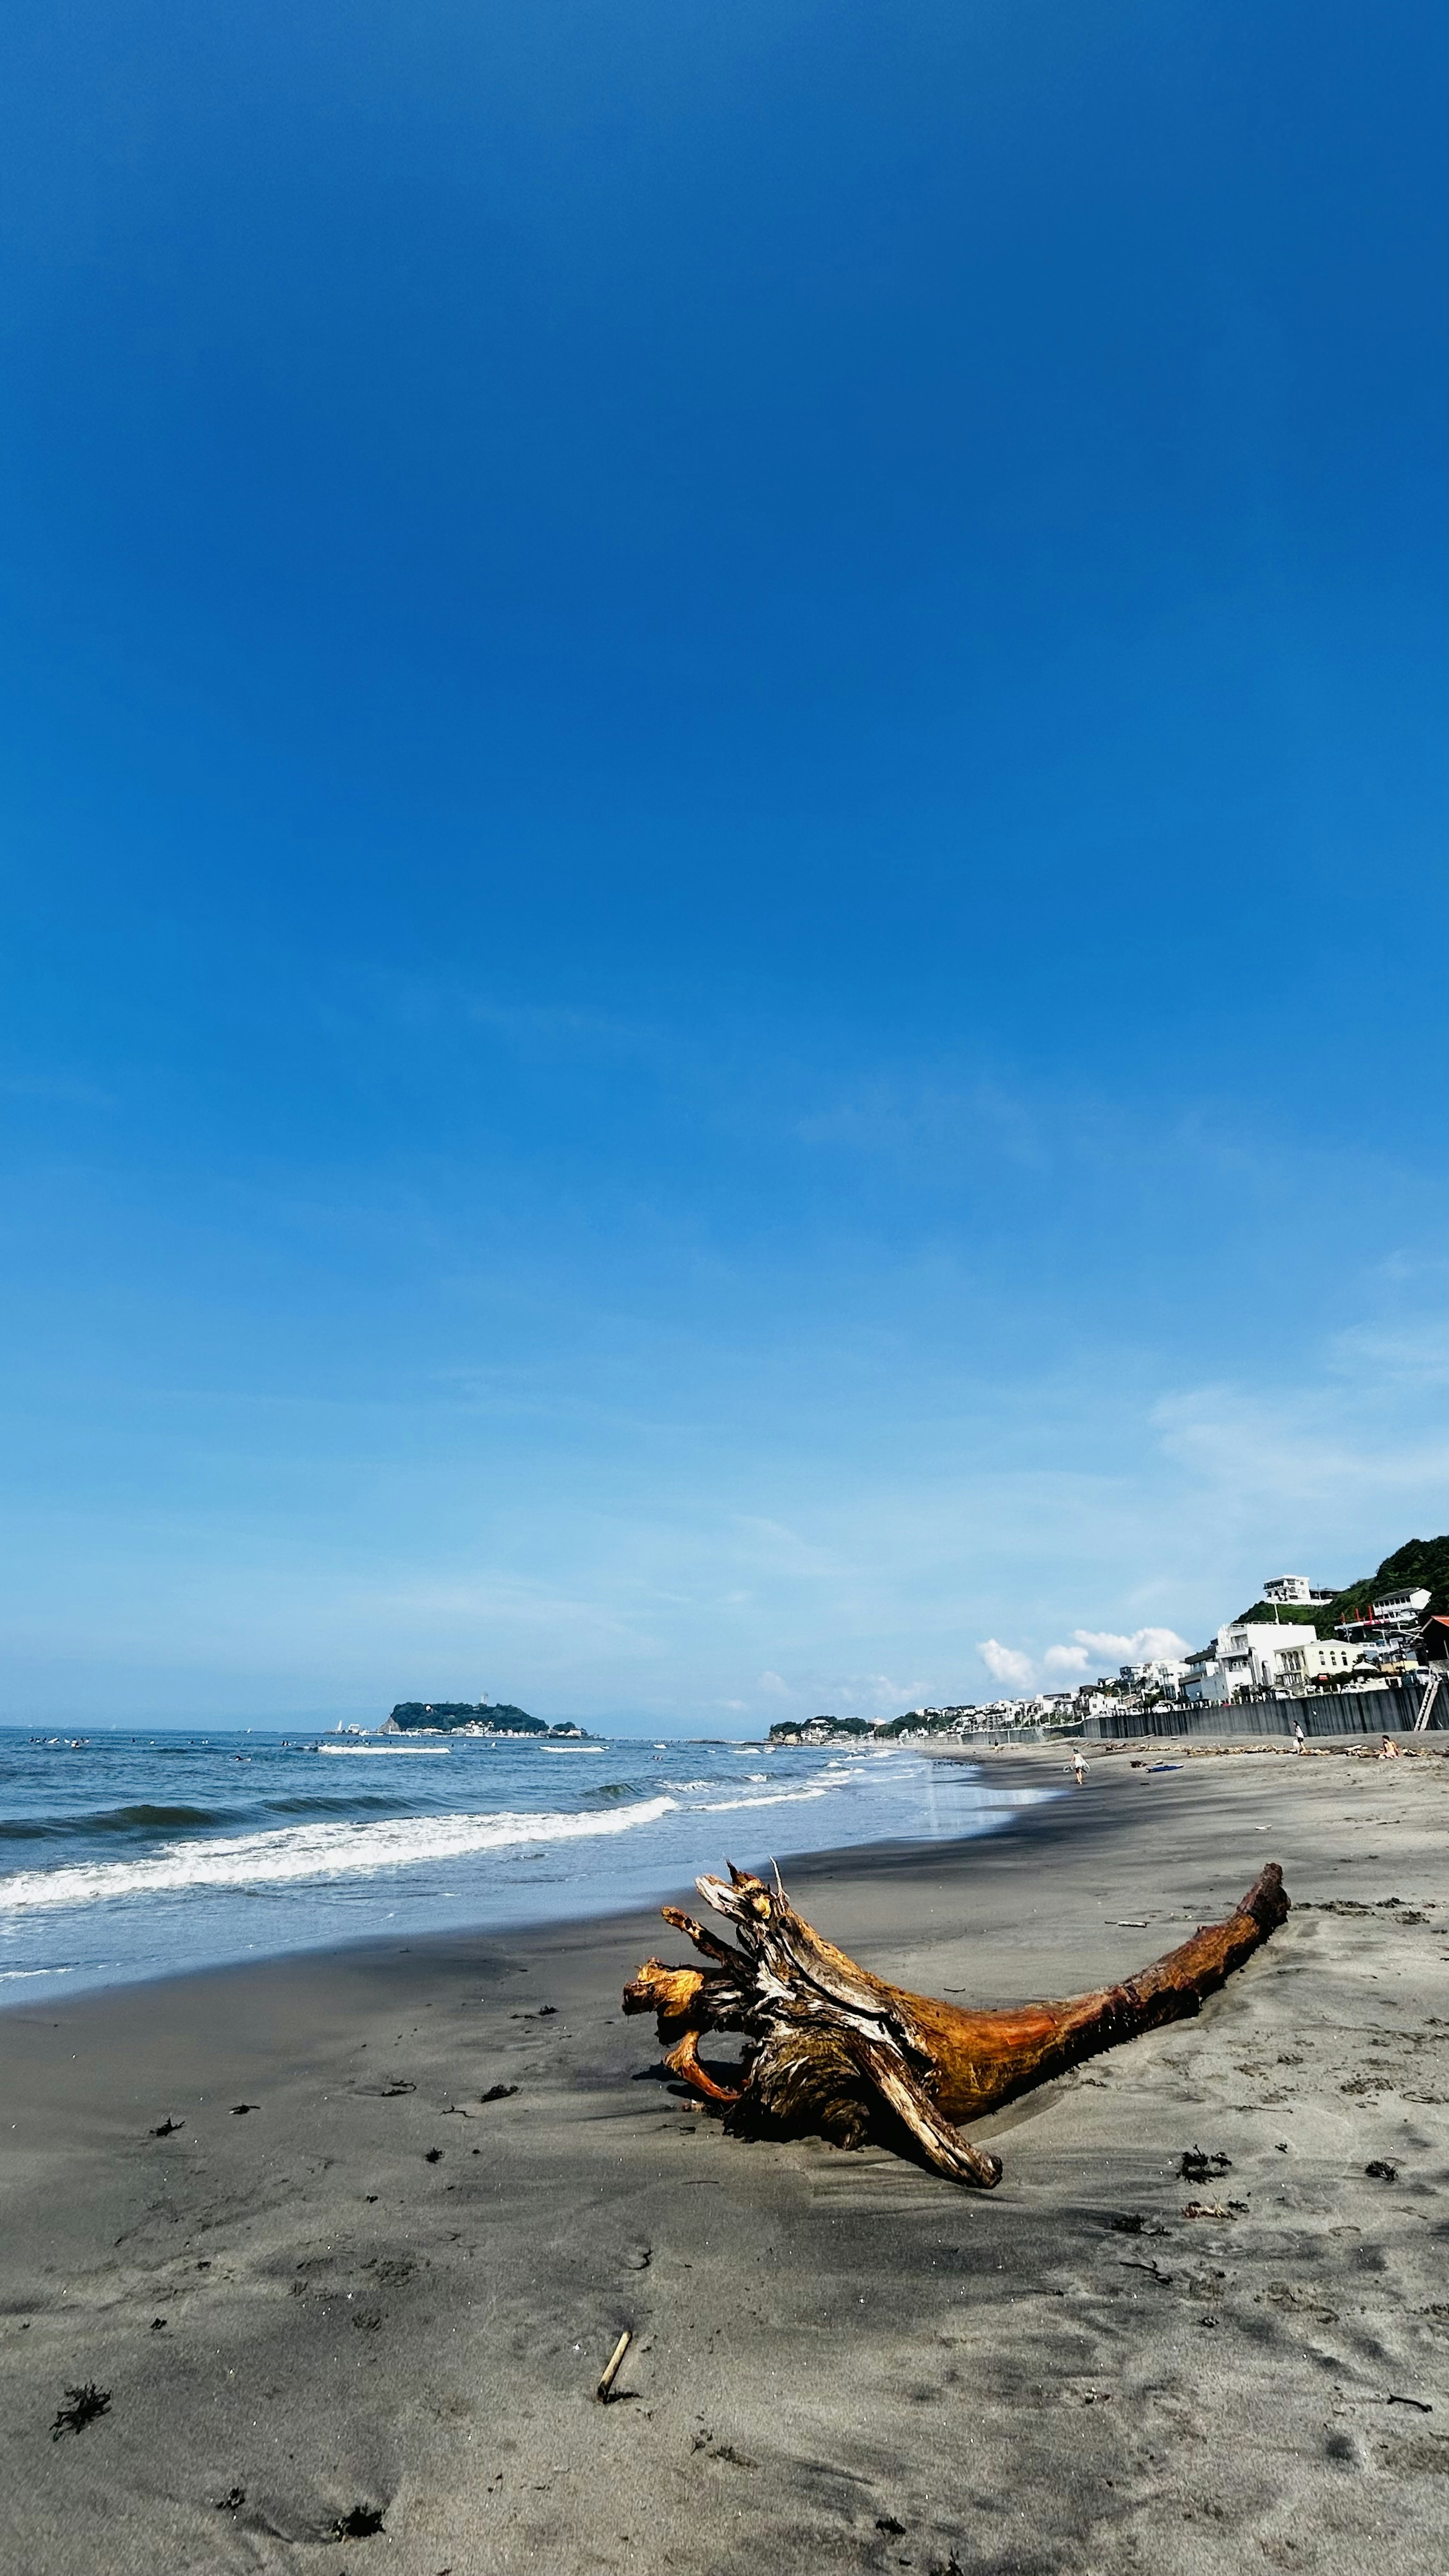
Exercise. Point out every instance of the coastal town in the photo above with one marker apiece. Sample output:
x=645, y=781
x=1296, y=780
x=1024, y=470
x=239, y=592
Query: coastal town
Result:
x=1377, y=1646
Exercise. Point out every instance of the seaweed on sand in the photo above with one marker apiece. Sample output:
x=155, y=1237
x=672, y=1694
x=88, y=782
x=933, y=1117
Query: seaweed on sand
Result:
x=86, y=2404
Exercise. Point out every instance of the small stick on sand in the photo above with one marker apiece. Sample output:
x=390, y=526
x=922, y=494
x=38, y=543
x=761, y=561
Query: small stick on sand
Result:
x=611, y=2367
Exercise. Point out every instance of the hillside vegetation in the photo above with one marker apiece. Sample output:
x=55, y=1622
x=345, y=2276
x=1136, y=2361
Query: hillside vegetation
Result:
x=1422, y=1561
x=442, y=1716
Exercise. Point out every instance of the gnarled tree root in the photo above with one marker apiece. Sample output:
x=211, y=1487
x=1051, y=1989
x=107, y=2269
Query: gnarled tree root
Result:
x=833, y=2050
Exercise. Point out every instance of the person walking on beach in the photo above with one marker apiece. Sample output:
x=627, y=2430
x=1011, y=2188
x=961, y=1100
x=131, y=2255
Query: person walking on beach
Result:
x=1300, y=1740
x=1079, y=1768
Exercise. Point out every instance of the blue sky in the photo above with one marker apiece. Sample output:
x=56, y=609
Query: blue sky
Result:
x=723, y=799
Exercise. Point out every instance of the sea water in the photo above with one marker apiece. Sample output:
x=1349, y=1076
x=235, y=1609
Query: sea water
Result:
x=130, y=1855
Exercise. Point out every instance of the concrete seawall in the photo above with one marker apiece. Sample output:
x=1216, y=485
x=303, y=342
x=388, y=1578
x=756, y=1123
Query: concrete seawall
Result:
x=1394, y=1711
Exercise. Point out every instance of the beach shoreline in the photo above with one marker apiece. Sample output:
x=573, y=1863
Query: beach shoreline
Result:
x=375, y=2291
x=123, y=1859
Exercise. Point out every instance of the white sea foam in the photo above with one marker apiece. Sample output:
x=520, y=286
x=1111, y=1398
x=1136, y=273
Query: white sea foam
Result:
x=301, y=1852
x=777, y=1798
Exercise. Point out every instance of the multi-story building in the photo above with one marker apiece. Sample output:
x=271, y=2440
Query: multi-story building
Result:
x=1293, y=1590
x=1250, y=1655
x=1402, y=1609
x=1318, y=1659
x=1155, y=1679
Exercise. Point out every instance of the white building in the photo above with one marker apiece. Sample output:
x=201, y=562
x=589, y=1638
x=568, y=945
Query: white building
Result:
x=1264, y=1655
x=1293, y=1588
x=1402, y=1609
x=1317, y=1659
x=1155, y=1678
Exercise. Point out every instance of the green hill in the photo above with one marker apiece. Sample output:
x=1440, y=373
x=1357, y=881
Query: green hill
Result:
x=1422, y=1561
x=1304, y=1614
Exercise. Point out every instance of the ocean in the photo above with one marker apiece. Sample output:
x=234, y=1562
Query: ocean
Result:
x=131, y=1855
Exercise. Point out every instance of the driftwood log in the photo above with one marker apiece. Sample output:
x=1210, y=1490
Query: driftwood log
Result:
x=832, y=2050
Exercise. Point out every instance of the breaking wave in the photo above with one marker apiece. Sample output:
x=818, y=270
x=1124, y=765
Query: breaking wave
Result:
x=310, y=1852
x=776, y=1798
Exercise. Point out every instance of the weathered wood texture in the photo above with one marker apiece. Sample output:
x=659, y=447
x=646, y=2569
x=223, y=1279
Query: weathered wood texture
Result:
x=834, y=2050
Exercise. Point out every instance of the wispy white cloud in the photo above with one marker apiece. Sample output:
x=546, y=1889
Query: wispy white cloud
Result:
x=653, y=1539
x=427, y=1002
x=892, y=1122
x=65, y=1091
x=1407, y=1354
x=1282, y=1455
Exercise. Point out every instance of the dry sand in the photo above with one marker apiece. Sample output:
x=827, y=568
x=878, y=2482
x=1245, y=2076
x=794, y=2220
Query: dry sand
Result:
x=361, y=2296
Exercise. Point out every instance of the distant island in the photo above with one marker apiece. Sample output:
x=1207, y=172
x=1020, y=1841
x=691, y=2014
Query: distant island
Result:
x=469, y=1717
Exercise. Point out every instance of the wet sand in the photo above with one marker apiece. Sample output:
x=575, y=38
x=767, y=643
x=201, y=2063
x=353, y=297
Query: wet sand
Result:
x=374, y=2290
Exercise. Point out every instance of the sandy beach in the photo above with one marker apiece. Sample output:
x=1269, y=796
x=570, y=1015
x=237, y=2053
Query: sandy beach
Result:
x=374, y=2298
